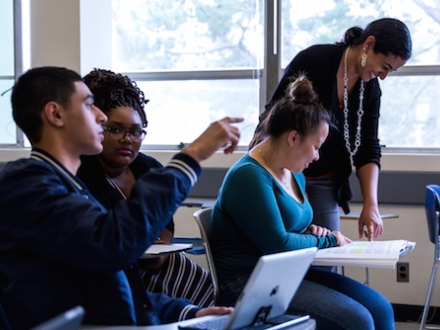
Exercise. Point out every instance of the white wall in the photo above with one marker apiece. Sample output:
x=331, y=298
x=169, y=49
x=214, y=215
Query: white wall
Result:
x=71, y=33
x=56, y=31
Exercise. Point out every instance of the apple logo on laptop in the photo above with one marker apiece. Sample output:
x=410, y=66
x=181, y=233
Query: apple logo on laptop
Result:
x=274, y=291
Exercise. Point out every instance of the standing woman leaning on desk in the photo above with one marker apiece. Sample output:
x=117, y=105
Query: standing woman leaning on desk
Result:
x=344, y=75
x=111, y=175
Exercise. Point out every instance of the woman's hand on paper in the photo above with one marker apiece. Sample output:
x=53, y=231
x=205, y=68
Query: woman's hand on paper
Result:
x=317, y=231
x=342, y=239
x=370, y=223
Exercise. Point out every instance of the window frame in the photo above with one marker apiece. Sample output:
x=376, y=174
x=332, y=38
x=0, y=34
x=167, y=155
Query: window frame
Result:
x=18, y=64
x=18, y=56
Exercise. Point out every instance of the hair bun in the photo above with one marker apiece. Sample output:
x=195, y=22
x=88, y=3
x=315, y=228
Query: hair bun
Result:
x=301, y=90
x=352, y=34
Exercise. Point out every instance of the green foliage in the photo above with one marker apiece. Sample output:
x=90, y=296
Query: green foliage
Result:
x=182, y=34
x=157, y=35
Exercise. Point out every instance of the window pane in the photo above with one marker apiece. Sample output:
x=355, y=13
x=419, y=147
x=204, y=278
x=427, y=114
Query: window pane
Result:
x=7, y=38
x=325, y=21
x=151, y=35
x=412, y=119
x=407, y=120
x=179, y=111
x=7, y=125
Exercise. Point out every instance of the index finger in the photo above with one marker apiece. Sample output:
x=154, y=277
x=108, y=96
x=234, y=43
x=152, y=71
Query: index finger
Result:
x=232, y=120
x=370, y=234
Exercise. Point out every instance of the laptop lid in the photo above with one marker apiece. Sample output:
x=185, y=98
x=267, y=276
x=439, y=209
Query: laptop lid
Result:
x=69, y=320
x=272, y=285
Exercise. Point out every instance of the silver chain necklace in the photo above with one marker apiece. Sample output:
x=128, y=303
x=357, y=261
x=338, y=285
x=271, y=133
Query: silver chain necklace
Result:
x=360, y=112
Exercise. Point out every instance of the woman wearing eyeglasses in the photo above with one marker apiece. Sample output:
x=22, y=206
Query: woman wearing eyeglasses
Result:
x=111, y=175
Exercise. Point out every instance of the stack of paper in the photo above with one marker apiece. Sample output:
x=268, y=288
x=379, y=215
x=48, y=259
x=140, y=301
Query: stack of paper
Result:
x=158, y=249
x=376, y=254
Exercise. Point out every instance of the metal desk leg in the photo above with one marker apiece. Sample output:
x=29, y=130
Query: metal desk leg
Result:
x=367, y=275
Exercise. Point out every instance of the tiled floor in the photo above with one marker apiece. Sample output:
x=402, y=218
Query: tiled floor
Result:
x=407, y=326
x=414, y=326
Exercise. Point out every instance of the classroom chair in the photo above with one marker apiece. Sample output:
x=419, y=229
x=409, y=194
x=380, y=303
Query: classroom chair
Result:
x=203, y=219
x=432, y=208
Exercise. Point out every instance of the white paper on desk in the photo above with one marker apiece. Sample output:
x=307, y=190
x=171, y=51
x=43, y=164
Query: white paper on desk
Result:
x=167, y=248
x=375, y=254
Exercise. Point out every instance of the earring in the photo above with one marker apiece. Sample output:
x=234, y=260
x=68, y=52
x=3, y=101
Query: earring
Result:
x=364, y=59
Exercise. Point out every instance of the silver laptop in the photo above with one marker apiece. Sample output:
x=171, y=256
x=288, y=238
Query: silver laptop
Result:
x=267, y=294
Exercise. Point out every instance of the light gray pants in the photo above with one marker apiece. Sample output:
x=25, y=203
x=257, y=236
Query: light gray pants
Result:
x=321, y=193
x=322, y=197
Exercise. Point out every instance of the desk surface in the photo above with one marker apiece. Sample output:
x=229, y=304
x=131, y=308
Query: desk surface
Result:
x=308, y=325
x=198, y=247
x=157, y=250
x=198, y=202
x=356, y=215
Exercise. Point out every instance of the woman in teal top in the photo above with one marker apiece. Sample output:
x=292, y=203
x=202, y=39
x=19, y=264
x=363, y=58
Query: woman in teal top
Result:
x=263, y=208
x=255, y=215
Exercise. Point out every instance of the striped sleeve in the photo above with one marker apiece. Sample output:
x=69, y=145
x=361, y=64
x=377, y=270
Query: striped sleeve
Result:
x=187, y=165
x=188, y=312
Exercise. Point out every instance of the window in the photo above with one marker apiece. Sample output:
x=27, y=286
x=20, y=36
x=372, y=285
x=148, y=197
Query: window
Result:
x=196, y=60
x=409, y=104
x=179, y=111
x=7, y=71
x=200, y=60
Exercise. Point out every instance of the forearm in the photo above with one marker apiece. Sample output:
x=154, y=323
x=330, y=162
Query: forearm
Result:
x=368, y=176
x=370, y=222
x=172, y=309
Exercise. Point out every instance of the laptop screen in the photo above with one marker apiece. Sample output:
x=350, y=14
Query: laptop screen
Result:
x=272, y=285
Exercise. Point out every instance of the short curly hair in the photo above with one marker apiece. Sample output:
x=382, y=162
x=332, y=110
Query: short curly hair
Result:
x=113, y=90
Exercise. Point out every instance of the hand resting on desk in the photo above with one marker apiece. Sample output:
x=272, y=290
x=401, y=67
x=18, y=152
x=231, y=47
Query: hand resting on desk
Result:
x=323, y=231
x=215, y=310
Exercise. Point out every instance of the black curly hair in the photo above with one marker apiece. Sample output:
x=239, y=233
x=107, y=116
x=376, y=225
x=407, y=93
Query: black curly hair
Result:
x=112, y=90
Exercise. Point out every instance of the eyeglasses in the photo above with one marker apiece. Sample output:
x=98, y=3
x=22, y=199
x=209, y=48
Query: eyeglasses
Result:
x=119, y=133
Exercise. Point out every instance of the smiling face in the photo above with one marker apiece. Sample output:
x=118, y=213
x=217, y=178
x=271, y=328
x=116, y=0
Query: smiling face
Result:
x=307, y=149
x=119, y=153
x=379, y=65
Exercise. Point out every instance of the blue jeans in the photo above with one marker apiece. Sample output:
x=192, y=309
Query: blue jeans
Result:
x=336, y=302
x=339, y=302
